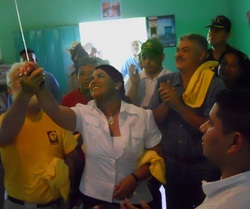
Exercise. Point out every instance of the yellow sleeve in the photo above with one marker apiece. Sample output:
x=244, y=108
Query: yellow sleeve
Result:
x=157, y=165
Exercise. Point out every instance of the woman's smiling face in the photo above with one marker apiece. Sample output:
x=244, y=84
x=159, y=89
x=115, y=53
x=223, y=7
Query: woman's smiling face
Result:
x=229, y=68
x=101, y=84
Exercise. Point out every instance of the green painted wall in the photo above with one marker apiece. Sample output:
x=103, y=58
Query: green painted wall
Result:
x=190, y=17
x=241, y=28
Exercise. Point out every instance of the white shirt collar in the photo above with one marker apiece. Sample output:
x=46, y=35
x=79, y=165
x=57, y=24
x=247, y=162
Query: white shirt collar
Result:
x=125, y=107
x=144, y=76
x=215, y=187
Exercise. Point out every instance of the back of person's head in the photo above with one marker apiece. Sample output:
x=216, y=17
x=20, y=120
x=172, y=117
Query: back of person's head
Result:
x=117, y=77
x=200, y=40
x=221, y=22
x=234, y=111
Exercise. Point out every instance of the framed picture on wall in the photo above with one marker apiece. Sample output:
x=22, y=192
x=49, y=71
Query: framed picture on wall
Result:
x=111, y=9
x=163, y=28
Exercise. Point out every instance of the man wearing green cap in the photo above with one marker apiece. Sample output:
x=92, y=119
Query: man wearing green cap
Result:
x=140, y=86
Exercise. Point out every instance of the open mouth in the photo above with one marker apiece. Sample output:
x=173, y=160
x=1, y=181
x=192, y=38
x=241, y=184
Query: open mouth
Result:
x=95, y=87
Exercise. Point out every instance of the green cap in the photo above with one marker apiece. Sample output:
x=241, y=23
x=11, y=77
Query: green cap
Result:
x=152, y=46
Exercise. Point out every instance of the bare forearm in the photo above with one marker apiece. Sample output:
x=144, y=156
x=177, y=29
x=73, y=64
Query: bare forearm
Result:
x=14, y=119
x=144, y=172
x=63, y=116
x=191, y=118
x=71, y=160
x=160, y=113
x=132, y=93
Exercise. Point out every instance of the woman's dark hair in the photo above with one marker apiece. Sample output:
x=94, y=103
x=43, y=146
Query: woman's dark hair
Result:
x=244, y=65
x=117, y=77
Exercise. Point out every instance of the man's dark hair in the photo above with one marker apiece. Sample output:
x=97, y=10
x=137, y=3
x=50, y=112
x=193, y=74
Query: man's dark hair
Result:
x=24, y=52
x=234, y=111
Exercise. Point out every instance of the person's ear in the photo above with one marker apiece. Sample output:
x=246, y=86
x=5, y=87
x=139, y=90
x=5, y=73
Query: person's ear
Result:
x=118, y=85
x=237, y=142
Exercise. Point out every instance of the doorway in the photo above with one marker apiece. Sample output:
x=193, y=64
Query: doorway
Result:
x=112, y=38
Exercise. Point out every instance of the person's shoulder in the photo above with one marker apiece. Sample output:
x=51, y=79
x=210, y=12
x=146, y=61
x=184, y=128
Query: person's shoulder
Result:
x=217, y=83
x=217, y=79
x=168, y=76
x=71, y=93
x=47, y=73
x=165, y=71
x=135, y=110
x=131, y=108
x=49, y=76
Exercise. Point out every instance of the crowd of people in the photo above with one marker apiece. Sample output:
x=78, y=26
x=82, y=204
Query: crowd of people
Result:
x=118, y=135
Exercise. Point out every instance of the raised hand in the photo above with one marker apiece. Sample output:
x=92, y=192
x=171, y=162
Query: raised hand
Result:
x=31, y=77
x=169, y=96
x=27, y=69
x=134, y=75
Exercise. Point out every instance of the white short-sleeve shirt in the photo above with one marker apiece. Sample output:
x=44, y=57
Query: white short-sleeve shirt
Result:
x=230, y=193
x=110, y=159
x=146, y=87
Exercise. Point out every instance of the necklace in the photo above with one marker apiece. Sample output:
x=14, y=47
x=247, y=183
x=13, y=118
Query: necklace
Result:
x=111, y=120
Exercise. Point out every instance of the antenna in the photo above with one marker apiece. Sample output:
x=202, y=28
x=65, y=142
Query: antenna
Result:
x=21, y=29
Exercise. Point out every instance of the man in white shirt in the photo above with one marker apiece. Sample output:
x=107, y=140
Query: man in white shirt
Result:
x=141, y=85
x=226, y=143
x=140, y=88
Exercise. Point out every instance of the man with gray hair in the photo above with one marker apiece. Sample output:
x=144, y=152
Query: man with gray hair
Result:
x=186, y=97
x=38, y=156
x=132, y=60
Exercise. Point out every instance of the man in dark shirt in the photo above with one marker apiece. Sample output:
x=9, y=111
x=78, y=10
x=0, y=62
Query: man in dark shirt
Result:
x=218, y=35
x=187, y=97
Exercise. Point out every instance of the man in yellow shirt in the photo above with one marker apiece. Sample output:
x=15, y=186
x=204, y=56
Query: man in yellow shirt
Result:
x=38, y=156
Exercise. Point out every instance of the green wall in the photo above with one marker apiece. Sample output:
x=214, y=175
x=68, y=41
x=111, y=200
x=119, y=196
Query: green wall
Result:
x=190, y=17
x=241, y=28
